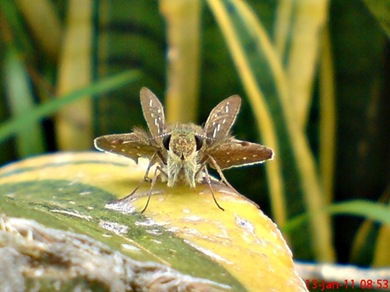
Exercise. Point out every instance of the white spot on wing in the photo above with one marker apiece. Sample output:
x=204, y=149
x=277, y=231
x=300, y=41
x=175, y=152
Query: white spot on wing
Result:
x=214, y=132
x=156, y=124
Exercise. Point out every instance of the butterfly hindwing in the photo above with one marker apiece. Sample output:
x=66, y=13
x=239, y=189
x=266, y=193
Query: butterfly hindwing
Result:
x=235, y=153
x=133, y=145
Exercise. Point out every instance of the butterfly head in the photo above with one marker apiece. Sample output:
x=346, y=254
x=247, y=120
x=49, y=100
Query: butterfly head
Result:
x=183, y=142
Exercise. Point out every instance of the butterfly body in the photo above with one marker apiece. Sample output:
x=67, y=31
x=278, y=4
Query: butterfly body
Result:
x=182, y=152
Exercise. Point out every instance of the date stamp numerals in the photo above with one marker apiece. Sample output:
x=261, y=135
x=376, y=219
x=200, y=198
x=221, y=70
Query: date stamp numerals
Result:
x=322, y=285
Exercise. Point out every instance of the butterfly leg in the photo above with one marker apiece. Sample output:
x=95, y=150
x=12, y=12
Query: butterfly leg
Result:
x=146, y=176
x=211, y=188
x=145, y=179
x=220, y=173
x=154, y=179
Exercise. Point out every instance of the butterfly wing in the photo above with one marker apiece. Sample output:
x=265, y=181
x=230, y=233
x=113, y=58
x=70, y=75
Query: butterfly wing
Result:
x=133, y=145
x=236, y=153
x=153, y=112
x=222, y=118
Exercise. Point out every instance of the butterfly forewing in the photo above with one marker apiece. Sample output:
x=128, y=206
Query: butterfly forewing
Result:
x=153, y=112
x=133, y=145
x=222, y=118
x=235, y=153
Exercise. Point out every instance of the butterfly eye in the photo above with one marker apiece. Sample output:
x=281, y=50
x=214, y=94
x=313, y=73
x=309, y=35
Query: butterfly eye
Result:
x=199, y=143
x=166, y=141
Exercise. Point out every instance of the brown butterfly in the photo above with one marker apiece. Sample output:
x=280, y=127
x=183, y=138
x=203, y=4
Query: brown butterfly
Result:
x=183, y=151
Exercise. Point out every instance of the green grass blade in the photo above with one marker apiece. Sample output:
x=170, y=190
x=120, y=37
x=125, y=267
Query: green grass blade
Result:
x=12, y=126
x=381, y=11
x=20, y=100
x=46, y=30
x=327, y=135
x=369, y=210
